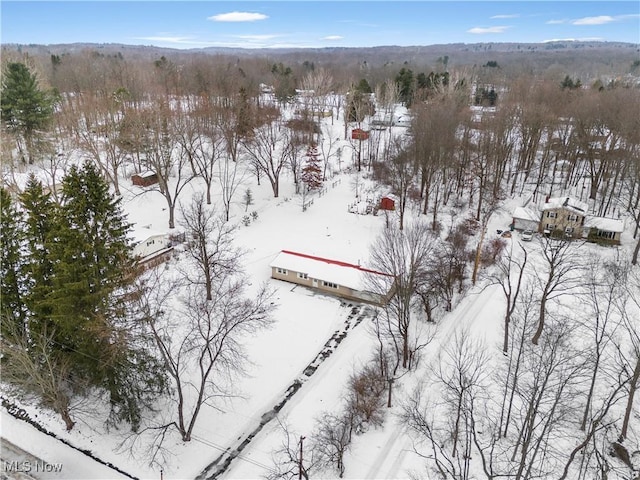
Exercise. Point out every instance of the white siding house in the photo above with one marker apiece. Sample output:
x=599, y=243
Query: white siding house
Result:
x=148, y=243
x=332, y=277
x=526, y=219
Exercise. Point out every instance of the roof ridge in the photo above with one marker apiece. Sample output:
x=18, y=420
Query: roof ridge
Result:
x=335, y=262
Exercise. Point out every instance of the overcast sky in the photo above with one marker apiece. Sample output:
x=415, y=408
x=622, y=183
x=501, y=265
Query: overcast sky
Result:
x=271, y=24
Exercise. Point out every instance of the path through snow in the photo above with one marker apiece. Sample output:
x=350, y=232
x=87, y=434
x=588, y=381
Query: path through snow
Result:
x=220, y=465
x=389, y=460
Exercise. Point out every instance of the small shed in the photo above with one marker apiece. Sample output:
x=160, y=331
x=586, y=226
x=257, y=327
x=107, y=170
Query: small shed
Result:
x=144, y=179
x=388, y=202
x=359, y=134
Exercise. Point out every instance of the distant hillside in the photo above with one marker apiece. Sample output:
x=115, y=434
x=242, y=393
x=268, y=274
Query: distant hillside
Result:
x=579, y=58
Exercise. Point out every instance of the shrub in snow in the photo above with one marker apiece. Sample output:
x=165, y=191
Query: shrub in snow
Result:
x=492, y=251
x=366, y=400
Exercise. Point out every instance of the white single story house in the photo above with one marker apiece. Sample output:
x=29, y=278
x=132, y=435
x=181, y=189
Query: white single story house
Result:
x=332, y=277
x=525, y=218
x=149, y=244
x=606, y=230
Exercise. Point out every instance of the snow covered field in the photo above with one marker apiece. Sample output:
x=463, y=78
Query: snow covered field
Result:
x=304, y=322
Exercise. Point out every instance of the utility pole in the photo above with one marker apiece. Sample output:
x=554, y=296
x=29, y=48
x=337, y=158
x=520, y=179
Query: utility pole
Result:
x=300, y=460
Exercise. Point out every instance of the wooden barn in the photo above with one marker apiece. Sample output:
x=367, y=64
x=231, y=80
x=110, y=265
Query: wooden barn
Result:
x=144, y=179
x=333, y=277
x=388, y=202
x=359, y=134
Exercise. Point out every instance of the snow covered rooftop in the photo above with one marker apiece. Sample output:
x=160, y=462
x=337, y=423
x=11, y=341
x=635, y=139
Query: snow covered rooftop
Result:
x=140, y=233
x=343, y=273
x=146, y=174
x=605, y=224
x=525, y=213
x=566, y=202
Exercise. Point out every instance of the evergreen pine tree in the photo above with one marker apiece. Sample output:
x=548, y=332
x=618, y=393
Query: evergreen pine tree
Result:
x=39, y=211
x=26, y=108
x=91, y=275
x=11, y=262
x=311, y=174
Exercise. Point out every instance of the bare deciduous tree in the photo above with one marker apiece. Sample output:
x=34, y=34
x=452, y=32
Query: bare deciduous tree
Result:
x=510, y=271
x=462, y=373
x=557, y=277
x=629, y=308
x=209, y=244
x=201, y=344
x=403, y=254
x=200, y=141
x=34, y=367
x=332, y=438
x=549, y=380
x=230, y=180
x=295, y=459
x=171, y=166
x=268, y=151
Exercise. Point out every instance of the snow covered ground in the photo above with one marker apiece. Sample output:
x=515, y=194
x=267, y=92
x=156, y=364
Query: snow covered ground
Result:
x=304, y=322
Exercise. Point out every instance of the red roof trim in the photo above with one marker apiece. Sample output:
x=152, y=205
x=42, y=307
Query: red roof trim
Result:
x=335, y=262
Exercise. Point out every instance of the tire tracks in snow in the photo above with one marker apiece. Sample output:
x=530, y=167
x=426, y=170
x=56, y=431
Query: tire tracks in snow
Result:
x=221, y=464
x=461, y=317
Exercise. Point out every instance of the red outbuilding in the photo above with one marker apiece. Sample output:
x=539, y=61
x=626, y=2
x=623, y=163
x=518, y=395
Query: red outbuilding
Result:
x=388, y=202
x=359, y=134
x=144, y=179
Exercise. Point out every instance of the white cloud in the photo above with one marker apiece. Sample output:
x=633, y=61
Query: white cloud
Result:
x=600, y=20
x=238, y=17
x=604, y=19
x=515, y=15
x=555, y=22
x=483, y=30
x=332, y=37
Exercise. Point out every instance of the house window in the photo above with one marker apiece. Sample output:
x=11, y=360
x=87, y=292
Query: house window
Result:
x=550, y=226
x=303, y=276
x=552, y=214
x=572, y=217
x=608, y=235
x=329, y=284
x=568, y=231
x=281, y=271
x=151, y=242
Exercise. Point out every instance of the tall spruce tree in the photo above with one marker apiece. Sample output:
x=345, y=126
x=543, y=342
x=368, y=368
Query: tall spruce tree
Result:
x=90, y=278
x=11, y=262
x=39, y=214
x=26, y=108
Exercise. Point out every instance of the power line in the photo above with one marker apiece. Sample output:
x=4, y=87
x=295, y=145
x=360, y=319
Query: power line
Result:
x=239, y=455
